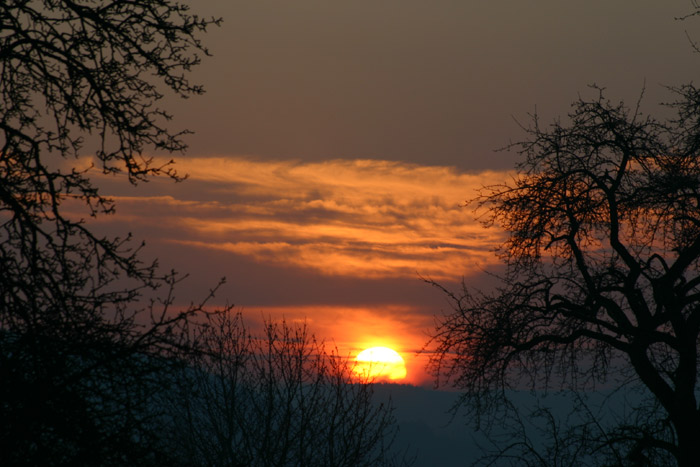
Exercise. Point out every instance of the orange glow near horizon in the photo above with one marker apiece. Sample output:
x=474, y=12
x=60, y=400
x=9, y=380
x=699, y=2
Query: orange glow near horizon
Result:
x=347, y=331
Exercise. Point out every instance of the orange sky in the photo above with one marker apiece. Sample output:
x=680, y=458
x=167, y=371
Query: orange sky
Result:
x=369, y=221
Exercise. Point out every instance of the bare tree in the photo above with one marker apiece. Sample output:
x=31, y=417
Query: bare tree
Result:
x=602, y=281
x=81, y=348
x=277, y=398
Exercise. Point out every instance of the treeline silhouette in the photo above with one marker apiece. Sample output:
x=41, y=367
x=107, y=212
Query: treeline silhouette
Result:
x=276, y=399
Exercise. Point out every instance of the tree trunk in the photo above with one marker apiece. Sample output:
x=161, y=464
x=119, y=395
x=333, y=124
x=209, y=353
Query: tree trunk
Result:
x=688, y=431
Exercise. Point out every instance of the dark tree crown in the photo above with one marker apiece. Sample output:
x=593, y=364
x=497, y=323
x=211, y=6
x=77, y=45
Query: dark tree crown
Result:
x=602, y=280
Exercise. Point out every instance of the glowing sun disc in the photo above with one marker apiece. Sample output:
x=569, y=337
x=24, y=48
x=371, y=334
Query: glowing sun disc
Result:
x=380, y=363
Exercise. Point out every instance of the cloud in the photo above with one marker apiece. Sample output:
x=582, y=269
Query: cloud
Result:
x=359, y=218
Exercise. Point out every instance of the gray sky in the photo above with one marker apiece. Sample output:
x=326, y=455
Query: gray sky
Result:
x=431, y=82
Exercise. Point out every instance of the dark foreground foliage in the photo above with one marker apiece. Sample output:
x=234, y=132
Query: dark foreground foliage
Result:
x=87, y=329
x=602, y=281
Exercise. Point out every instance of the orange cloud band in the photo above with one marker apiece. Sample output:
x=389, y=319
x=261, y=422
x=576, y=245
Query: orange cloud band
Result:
x=361, y=218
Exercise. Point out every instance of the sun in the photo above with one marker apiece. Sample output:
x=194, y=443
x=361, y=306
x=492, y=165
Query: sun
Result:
x=380, y=363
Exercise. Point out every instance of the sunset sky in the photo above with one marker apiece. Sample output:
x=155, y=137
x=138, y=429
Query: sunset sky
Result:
x=338, y=142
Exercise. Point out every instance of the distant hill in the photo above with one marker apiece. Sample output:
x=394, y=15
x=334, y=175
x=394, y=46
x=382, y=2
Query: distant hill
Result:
x=427, y=428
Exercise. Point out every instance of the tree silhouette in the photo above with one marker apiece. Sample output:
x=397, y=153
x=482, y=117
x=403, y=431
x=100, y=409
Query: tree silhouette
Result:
x=93, y=351
x=602, y=281
x=275, y=398
x=86, y=327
